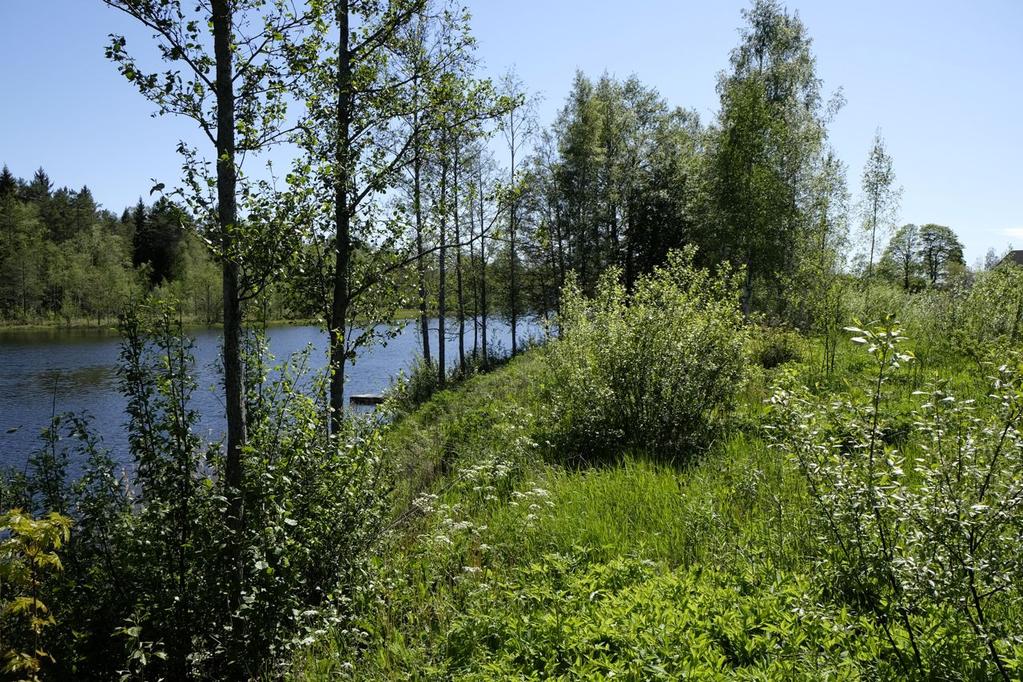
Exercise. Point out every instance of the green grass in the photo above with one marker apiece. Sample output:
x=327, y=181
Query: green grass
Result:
x=503, y=563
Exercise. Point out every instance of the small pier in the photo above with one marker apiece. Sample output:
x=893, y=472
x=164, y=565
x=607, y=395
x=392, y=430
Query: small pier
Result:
x=365, y=400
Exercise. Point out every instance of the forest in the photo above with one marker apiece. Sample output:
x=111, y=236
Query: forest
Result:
x=772, y=434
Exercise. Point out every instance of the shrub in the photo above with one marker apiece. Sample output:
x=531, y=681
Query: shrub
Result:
x=313, y=507
x=931, y=527
x=774, y=346
x=411, y=389
x=654, y=370
x=28, y=554
x=993, y=311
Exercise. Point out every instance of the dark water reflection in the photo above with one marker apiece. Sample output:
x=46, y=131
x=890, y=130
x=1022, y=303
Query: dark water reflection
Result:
x=52, y=371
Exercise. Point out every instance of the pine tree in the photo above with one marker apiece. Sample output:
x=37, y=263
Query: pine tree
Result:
x=8, y=183
x=39, y=189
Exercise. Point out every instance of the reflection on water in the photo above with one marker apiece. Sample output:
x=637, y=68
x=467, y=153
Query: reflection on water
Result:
x=97, y=377
x=51, y=371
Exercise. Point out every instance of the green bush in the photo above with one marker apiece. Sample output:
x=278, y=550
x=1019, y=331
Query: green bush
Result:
x=413, y=388
x=929, y=525
x=654, y=370
x=28, y=555
x=313, y=507
x=774, y=346
x=993, y=311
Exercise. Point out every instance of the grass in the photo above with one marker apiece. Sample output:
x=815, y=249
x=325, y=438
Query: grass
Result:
x=503, y=563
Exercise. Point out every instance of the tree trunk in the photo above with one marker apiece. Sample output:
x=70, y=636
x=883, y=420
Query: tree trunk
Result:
x=342, y=224
x=630, y=263
x=747, y=288
x=458, y=268
x=442, y=310
x=561, y=254
x=417, y=201
x=873, y=235
x=234, y=378
x=475, y=278
x=483, y=278
x=512, y=286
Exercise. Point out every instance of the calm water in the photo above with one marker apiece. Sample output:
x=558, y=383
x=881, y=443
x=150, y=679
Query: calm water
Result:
x=59, y=370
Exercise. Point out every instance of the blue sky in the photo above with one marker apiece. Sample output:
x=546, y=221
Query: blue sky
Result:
x=943, y=80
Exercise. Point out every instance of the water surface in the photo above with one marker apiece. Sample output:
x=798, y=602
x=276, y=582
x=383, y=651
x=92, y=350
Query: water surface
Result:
x=53, y=371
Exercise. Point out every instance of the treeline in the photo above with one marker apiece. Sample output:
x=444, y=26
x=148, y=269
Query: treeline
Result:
x=65, y=258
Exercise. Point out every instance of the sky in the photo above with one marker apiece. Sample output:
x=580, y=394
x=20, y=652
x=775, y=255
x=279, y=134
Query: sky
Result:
x=942, y=80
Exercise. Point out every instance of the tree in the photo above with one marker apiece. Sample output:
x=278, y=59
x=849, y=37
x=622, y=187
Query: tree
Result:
x=366, y=95
x=880, y=196
x=518, y=126
x=460, y=105
x=991, y=259
x=224, y=73
x=83, y=210
x=902, y=254
x=39, y=189
x=486, y=190
x=766, y=149
x=23, y=252
x=157, y=236
x=8, y=183
x=940, y=252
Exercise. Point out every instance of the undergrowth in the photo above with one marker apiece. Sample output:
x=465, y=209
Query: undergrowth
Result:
x=505, y=561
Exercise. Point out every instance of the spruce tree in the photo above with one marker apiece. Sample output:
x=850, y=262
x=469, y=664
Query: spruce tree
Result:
x=8, y=183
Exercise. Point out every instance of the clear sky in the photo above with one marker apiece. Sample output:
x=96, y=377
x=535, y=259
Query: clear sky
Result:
x=942, y=79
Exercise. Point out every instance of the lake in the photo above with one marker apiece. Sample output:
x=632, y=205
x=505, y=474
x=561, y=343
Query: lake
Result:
x=52, y=371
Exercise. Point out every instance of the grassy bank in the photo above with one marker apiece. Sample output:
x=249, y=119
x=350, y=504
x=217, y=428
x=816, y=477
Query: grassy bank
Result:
x=504, y=561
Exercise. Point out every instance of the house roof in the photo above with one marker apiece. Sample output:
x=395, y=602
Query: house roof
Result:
x=1013, y=257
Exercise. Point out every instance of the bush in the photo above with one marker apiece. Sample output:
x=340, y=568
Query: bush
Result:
x=993, y=312
x=774, y=346
x=28, y=554
x=921, y=536
x=653, y=371
x=313, y=508
x=413, y=388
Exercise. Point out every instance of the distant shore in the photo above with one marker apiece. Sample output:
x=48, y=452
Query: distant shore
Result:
x=84, y=324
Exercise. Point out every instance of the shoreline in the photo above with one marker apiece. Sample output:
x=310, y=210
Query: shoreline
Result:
x=82, y=325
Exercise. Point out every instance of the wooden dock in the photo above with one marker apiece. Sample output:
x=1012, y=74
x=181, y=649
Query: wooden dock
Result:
x=365, y=400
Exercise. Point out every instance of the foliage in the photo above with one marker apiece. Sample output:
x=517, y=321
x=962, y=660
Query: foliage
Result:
x=770, y=179
x=915, y=529
x=63, y=258
x=411, y=389
x=28, y=555
x=655, y=370
x=929, y=255
x=314, y=507
x=900, y=260
x=880, y=195
x=773, y=346
x=941, y=253
x=992, y=311
x=507, y=567
x=464, y=536
x=565, y=618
